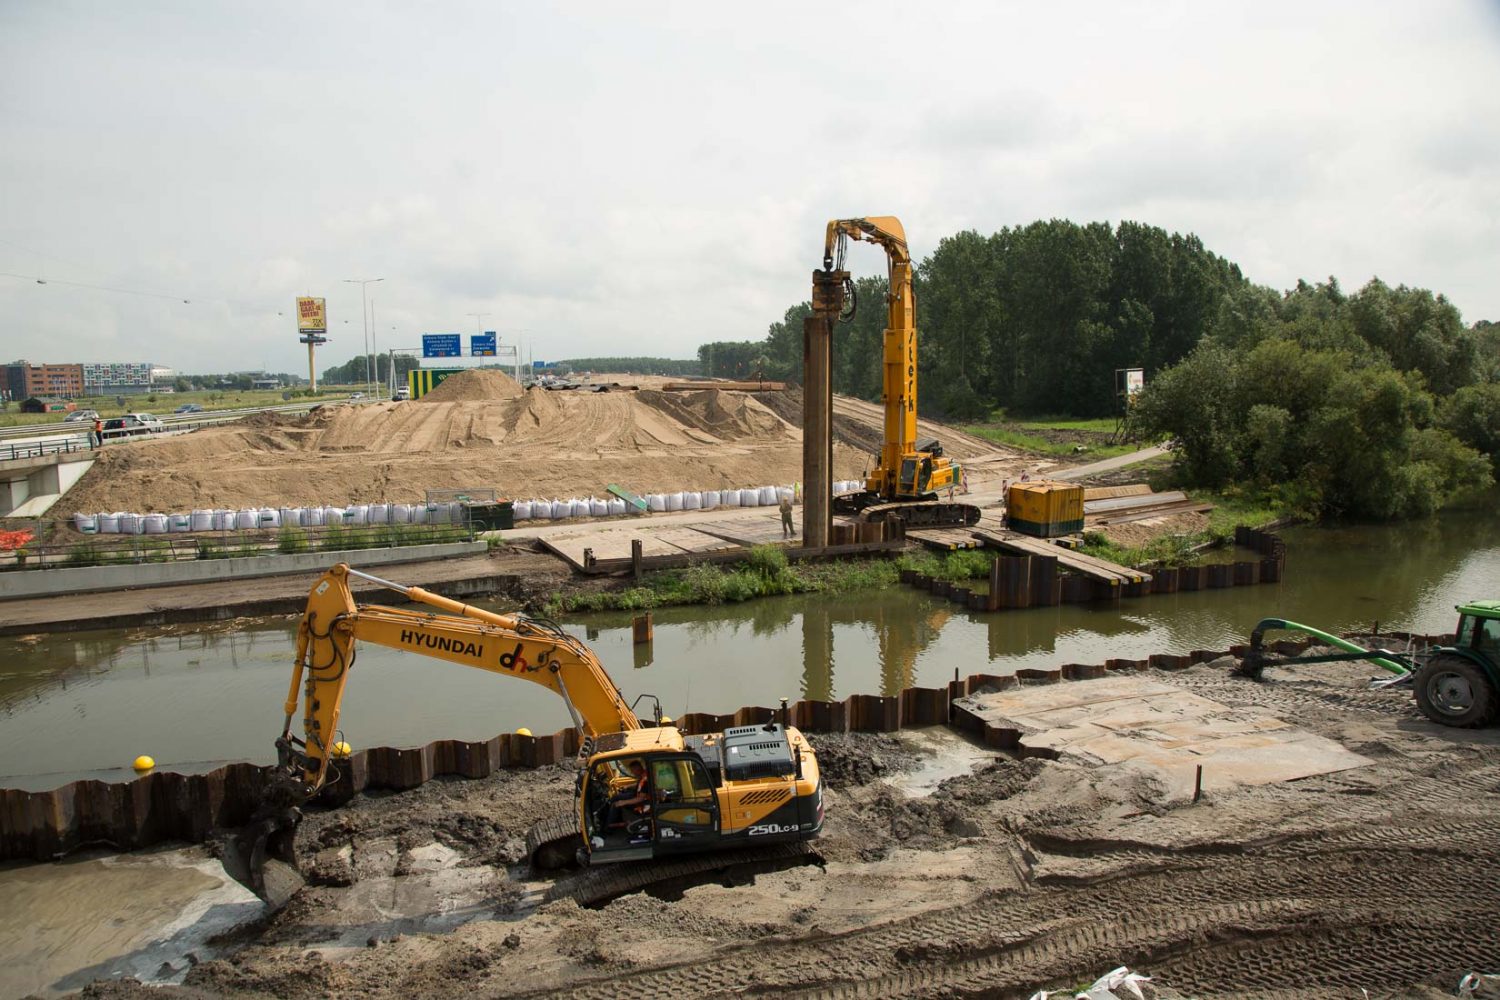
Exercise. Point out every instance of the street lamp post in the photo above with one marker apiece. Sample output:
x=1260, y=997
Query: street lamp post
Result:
x=364, y=315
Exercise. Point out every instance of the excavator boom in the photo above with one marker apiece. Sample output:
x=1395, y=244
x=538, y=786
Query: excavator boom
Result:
x=261, y=854
x=516, y=645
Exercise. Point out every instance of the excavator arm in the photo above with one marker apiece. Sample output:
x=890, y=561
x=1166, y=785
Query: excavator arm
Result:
x=512, y=645
x=261, y=854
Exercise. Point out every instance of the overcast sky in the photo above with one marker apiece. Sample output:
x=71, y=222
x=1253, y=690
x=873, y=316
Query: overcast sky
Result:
x=624, y=179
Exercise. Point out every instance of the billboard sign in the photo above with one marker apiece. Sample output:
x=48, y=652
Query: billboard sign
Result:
x=1129, y=381
x=312, y=315
x=442, y=345
x=482, y=345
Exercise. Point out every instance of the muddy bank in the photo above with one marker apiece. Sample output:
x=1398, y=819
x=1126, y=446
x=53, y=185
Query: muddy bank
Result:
x=1009, y=876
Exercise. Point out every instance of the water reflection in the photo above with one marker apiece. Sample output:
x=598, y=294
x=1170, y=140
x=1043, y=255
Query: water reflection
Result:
x=195, y=695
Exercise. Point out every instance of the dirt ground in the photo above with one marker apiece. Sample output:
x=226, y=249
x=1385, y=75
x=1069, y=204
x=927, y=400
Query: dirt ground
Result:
x=481, y=430
x=1381, y=881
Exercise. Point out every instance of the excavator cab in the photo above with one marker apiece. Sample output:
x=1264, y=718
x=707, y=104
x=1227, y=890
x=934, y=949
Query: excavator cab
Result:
x=680, y=813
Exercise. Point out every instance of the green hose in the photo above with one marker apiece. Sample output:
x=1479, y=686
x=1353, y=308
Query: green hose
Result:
x=1332, y=640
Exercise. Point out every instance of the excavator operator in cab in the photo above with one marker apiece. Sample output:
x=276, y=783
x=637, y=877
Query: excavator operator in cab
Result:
x=630, y=800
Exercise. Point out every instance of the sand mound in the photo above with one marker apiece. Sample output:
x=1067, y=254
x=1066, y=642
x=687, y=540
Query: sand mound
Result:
x=524, y=444
x=477, y=385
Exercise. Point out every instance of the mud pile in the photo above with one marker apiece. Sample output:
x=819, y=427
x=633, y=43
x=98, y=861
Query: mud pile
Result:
x=1021, y=875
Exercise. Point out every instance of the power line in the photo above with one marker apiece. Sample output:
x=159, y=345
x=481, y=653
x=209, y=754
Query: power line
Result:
x=97, y=288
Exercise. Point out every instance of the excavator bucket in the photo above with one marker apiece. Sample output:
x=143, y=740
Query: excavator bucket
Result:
x=261, y=857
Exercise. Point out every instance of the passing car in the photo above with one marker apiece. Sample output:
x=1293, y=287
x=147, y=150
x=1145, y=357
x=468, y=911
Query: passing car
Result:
x=402, y=393
x=188, y=408
x=356, y=395
x=131, y=424
x=78, y=415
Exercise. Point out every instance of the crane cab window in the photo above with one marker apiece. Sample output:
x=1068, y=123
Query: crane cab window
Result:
x=908, y=474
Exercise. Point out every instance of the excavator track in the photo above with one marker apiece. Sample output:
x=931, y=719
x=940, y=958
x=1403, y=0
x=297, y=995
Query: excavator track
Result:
x=924, y=514
x=553, y=843
x=597, y=886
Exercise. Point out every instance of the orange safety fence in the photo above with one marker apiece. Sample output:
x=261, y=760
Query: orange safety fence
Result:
x=12, y=540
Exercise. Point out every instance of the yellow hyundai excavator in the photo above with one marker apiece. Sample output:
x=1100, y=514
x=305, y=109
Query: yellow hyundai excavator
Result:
x=910, y=471
x=645, y=792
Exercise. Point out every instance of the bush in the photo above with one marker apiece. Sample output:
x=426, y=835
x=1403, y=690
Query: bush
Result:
x=291, y=540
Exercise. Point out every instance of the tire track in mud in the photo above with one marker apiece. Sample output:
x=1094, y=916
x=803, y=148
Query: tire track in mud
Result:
x=1332, y=912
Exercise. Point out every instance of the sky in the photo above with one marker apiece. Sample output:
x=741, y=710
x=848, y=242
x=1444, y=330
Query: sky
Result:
x=608, y=179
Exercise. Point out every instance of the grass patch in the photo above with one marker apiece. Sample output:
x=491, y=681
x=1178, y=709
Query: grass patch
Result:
x=766, y=573
x=1098, y=425
x=1232, y=508
x=1036, y=443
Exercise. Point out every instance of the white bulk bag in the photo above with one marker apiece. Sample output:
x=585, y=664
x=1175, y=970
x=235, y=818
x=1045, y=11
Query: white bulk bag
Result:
x=618, y=506
x=438, y=513
x=784, y=493
x=203, y=520
x=598, y=508
x=180, y=522
x=674, y=501
x=749, y=498
x=312, y=517
x=244, y=520
x=521, y=510
x=88, y=524
x=153, y=524
x=378, y=513
x=291, y=517
x=692, y=501
x=561, y=509
x=333, y=515
x=270, y=517
x=109, y=524
x=130, y=524
x=768, y=496
x=419, y=513
x=656, y=502
x=357, y=514
x=711, y=499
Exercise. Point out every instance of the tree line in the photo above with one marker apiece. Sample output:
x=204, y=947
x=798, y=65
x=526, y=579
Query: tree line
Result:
x=358, y=369
x=1254, y=385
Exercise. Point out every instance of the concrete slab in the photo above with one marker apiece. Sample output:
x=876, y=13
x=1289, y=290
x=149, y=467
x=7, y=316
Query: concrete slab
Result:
x=1142, y=724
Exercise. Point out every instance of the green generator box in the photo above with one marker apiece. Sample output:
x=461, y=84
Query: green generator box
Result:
x=498, y=515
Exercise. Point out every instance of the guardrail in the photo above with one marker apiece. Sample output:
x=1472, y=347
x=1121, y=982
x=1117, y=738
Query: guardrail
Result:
x=206, y=417
x=118, y=550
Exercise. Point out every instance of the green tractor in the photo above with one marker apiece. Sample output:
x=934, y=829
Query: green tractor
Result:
x=1457, y=685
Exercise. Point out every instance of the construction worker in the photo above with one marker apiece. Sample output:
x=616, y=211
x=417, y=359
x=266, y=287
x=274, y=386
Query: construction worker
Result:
x=96, y=433
x=787, y=531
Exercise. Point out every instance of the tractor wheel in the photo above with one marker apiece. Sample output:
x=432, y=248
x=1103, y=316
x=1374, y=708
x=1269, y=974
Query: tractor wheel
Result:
x=1455, y=692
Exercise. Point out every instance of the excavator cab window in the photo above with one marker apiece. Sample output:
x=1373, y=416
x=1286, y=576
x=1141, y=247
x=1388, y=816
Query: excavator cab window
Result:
x=687, y=810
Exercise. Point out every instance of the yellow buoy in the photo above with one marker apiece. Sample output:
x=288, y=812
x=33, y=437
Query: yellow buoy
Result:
x=523, y=731
x=143, y=763
x=666, y=720
x=342, y=749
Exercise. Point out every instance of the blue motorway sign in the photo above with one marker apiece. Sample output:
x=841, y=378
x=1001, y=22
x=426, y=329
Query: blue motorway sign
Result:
x=442, y=345
x=482, y=345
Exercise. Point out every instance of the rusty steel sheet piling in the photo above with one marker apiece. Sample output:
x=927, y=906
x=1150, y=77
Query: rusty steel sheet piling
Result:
x=165, y=806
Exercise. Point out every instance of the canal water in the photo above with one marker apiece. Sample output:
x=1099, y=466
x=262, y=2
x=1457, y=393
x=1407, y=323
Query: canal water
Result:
x=194, y=696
